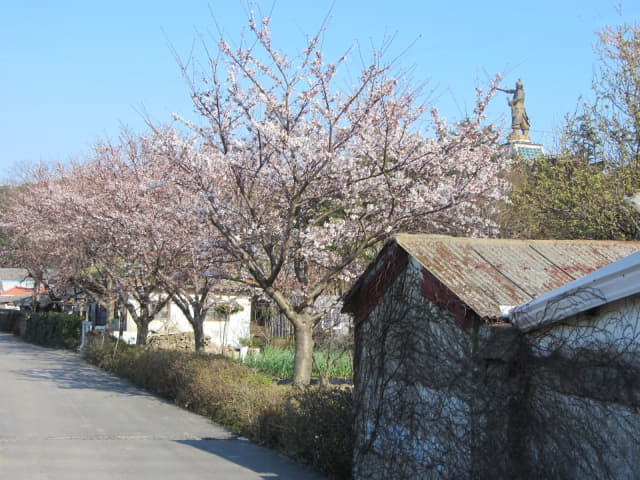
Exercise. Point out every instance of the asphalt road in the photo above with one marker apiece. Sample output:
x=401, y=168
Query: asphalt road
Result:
x=61, y=418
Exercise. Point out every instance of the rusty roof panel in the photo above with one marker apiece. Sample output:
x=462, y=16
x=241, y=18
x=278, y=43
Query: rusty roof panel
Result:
x=488, y=273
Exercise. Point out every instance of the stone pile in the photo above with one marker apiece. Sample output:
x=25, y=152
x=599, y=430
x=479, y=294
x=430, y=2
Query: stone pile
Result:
x=175, y=341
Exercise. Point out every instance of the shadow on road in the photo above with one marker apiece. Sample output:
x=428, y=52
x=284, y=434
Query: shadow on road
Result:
x=64, y=368
x=252, y=457
x=141, y=429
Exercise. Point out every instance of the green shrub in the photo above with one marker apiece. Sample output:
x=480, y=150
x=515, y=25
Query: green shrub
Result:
x=9, y=319
x=99, y=350
x=52, y=329
x=341, y=367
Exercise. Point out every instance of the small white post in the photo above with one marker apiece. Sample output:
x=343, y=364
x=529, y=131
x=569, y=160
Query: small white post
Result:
x=243, y=352
x=86, y=327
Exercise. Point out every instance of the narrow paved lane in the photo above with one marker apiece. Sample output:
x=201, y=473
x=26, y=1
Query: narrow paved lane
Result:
x=61, y=418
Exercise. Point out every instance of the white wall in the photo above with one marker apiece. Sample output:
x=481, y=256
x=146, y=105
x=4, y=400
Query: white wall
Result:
x=238, y=326
x=614, y=327
x=597, y=400
x=9, y=284
x=221, y=333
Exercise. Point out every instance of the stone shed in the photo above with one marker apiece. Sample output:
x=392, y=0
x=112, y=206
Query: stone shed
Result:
x=461, y=372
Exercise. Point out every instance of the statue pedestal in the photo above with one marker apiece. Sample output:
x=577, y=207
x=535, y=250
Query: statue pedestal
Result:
x=525, y=149
x=515, y=137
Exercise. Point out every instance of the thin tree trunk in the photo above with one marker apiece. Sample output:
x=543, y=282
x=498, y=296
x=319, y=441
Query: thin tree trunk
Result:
x=123, y=317
x=110, y=307
x=35, y=298
x=111, y=313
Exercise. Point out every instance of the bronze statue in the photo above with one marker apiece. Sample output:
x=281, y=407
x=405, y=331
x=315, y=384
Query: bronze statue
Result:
x=519, y=118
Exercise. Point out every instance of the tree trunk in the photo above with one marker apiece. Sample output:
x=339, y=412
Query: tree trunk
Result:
x=198, y=333
x=122, y=319
x=111, y=313
x=35, y=298
x=143, y=331
x=303, y=330
x=110, y=307
x=142, y=318
x=303, y=359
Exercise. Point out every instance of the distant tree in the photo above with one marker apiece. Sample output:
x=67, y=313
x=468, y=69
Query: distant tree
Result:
x=617, y=89
x=102, y=225
x=581, y=140
x=27, y=245
x=112, y=226
x=607, y=129
x=5, y=191
x=299, y=177
x=580, y=194
x=568, y=198
x=122, y=211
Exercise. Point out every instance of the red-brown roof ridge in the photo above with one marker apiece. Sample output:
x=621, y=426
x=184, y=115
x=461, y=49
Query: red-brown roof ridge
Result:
x=488, y=273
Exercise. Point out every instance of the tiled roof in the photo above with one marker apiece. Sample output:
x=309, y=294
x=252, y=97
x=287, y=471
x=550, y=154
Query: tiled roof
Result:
x=18, y=291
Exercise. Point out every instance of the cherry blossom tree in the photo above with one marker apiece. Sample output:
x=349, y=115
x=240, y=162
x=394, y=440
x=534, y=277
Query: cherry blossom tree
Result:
x=106, y=219
x=193, y=281
x=26, y=244
x=300, y=178
x=112, y=226
x=151, y=245
x=47, y=220
x=130, y=211
x=70, y=212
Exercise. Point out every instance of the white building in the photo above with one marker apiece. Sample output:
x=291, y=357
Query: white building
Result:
x=222, y=328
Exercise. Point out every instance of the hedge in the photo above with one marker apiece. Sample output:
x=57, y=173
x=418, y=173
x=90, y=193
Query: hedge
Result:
x=57, y=330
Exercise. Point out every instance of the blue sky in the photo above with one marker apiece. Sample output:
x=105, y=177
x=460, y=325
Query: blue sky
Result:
x=73, y=72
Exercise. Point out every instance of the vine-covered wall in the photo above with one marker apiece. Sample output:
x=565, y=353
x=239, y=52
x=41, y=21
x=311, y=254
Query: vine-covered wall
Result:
x=438, y=396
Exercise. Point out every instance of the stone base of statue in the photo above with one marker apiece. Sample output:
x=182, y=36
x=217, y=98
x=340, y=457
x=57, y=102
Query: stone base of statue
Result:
x=525, y=149
x=518, y=137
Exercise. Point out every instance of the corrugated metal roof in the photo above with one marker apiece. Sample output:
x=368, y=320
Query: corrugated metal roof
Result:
x=488, y=273
x=620, y=279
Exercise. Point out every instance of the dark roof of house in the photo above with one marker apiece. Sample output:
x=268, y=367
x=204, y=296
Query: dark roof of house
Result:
x=18, y=274
x=486, y=274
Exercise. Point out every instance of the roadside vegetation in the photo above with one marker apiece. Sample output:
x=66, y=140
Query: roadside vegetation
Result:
x=312, y=425
x=57, y=330
x=278, y=363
